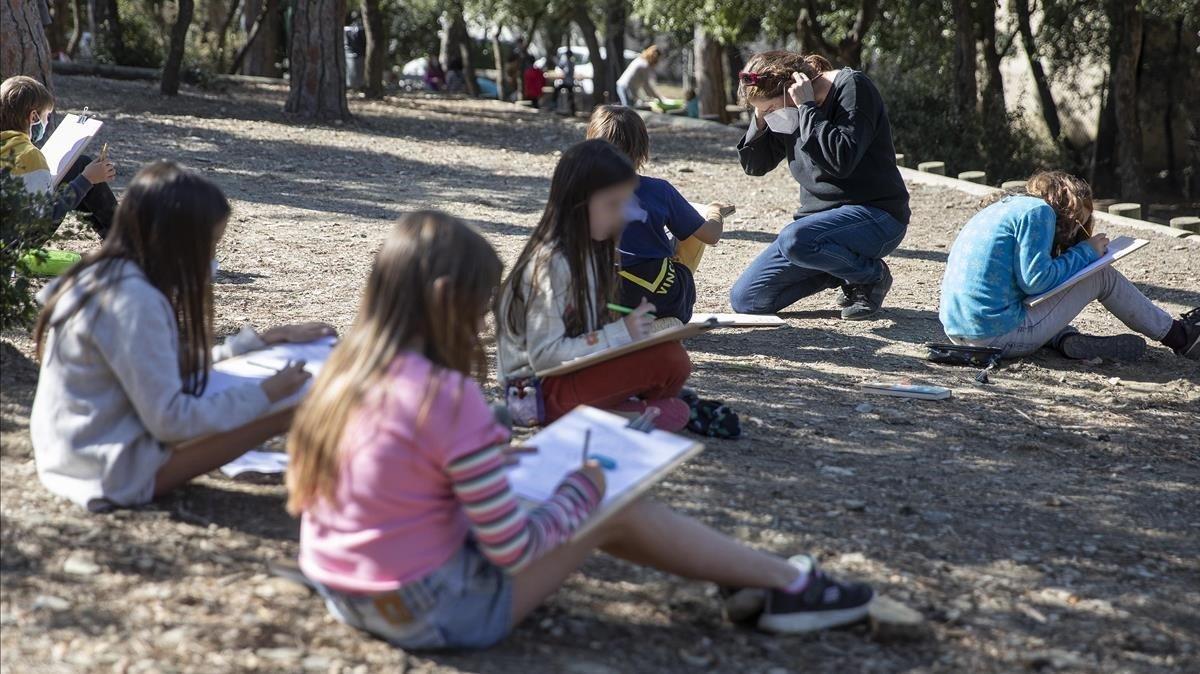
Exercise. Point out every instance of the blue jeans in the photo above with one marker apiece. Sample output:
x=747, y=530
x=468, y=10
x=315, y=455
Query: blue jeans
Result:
x=843, y=245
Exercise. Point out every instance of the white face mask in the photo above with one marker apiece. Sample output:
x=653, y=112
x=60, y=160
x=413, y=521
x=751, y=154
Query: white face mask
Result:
x=784, y=120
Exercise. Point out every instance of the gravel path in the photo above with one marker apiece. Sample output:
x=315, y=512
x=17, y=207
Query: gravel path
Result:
x=1047, y=521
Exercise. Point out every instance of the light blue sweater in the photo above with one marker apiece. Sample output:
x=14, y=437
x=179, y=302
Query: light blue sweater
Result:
x=1001, y=257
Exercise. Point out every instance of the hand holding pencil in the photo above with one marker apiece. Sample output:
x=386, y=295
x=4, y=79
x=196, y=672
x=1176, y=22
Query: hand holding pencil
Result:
x=639, y=320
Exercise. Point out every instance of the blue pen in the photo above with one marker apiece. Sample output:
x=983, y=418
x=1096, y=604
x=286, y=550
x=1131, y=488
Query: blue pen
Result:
x=605, y=462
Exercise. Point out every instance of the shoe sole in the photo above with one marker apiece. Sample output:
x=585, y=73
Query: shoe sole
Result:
x=1112, y=347
x=800, y=623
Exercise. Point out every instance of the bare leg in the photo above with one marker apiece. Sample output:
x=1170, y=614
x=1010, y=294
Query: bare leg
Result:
x=194, y=458
x=651, y=534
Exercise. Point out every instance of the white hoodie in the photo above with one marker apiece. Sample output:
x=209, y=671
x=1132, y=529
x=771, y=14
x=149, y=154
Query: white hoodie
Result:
x=110, y=397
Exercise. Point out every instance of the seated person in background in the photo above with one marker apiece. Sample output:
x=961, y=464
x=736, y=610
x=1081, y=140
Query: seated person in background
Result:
x=664, y=236
x=25, y=108
x=1027, y=245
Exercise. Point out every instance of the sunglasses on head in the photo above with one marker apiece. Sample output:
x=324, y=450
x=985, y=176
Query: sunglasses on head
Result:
x=748, y=78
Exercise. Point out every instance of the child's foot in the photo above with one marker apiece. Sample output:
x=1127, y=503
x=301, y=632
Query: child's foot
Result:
x=1190, y=322
x=1113, y=347
x=673, y=413
x=867, y=298
x=710, y=418
x=823, y=603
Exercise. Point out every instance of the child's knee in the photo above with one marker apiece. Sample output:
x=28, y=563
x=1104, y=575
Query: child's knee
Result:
x=672, y=361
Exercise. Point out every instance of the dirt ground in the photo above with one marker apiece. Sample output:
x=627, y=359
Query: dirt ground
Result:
x=1047, y=521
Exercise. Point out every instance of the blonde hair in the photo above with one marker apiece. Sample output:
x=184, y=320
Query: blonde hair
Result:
x=19, y=96
x=772, y=72
x=429, y=289
x=624, y=128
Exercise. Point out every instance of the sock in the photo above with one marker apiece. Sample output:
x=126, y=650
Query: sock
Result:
x=797, y=586
x=1176, y=337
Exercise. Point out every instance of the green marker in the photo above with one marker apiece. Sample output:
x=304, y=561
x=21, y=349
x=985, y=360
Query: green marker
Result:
x=620, y=309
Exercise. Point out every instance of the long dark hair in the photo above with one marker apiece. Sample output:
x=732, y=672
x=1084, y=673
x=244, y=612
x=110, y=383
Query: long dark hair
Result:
x=167, y=224
x=585, y=168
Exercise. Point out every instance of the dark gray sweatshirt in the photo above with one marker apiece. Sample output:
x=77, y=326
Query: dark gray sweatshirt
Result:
x=841, y=154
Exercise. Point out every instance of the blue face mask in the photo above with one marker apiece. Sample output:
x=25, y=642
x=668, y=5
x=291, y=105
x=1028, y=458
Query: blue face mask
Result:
x=37, y=130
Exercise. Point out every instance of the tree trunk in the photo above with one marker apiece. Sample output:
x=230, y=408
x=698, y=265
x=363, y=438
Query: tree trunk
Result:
x=170, y=74
x=616, y=13
x=77, y=11
x=600, y=85
x=57, y=32
x=502, y=91
x=318, y=61
x=848, y=51
x=376, y=48
x=1045, y=95
x=24, y=49
x=965, y=90
x=993, y=82
x=223, y=33
x=456, y=44
x=710, y=78
x=108, y=36
x=735, y=62
x=1128, y=42
x=257, y=55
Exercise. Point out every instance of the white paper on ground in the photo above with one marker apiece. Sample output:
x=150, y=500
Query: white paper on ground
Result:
x=257, y=461
x=741, y=320
x=254, y=367
x=1117, y=249
x=639, y=456
x=68, y=141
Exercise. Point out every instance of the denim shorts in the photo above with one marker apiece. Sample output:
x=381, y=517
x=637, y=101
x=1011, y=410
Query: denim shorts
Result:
x=465, y=603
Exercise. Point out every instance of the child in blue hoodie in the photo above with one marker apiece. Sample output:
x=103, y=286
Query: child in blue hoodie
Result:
x=1027, y=245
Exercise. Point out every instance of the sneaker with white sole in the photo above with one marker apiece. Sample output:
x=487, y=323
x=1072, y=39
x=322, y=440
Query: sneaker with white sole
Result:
x=822, y=604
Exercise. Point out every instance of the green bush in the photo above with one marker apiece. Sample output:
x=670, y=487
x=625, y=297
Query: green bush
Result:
x=23, y=220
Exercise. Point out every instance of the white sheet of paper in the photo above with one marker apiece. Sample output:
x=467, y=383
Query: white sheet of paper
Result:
x=67, y=142
x=253, y=367
x=1117, y=249
x=638, y=455
x=257, y=461
x=742, y=320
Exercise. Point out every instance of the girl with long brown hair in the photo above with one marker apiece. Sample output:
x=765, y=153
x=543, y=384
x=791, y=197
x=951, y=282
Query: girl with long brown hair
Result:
x=410, y=529
x=1029, y=243
x=125, y=345
x=553, y=307
x=830, y=128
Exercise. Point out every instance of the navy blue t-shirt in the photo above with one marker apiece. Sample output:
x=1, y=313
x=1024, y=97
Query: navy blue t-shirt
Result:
x=656, y=207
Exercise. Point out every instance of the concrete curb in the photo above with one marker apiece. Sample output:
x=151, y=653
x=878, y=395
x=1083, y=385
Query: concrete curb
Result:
x=923, y=178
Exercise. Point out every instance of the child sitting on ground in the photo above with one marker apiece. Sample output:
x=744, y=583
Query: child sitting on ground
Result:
x=1027, y=245
x=664, y=235
x=410, y=529
x=124, y=342
x=25, y=109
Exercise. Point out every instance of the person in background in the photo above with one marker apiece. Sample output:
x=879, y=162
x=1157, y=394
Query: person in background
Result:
x=356, y=51
x=639, y=77
x=534, y=80
x=691, y=103
x=435, y=77
x=566, y=70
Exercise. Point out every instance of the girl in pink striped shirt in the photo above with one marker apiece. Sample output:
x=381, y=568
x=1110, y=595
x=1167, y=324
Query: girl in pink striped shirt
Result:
x=410, y=529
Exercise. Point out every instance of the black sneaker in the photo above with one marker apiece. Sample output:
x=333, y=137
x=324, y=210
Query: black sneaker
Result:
x=1191, y=331
x=824, y=603
x=1079, y=346
x=843, y=299
x=867, y=298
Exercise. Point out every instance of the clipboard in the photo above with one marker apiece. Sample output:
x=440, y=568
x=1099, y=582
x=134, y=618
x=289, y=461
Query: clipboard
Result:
x=643, y=457
x=671, y=335
x=69, y=140
x=1117, y=249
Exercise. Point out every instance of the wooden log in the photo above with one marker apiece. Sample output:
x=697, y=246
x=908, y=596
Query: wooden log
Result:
x=1127, y=210
x=974, y=177
x=1189, y=223
x=938, y=167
